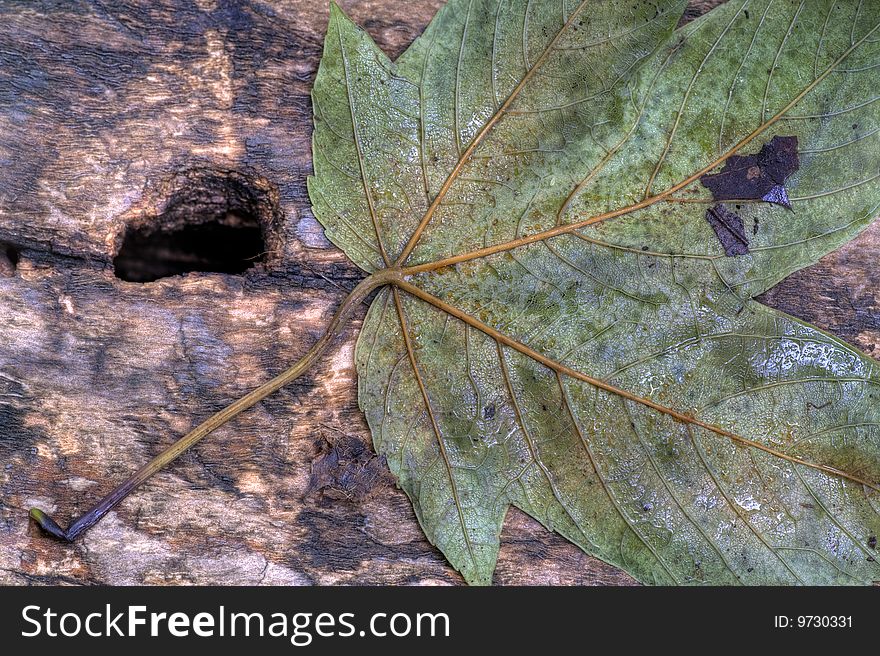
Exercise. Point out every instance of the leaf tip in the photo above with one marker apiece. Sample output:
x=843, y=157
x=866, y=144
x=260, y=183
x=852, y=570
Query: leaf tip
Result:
x=337, y=13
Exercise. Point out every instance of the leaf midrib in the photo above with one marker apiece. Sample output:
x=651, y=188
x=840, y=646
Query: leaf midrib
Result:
x=563, y=369
x=568, y=228
x=478, y=138
x=453, y=485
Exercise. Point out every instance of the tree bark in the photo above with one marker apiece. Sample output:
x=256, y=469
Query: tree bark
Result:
x=137, y=114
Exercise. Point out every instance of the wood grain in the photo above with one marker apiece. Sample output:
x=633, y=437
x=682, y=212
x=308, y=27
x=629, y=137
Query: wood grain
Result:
x=110, y=114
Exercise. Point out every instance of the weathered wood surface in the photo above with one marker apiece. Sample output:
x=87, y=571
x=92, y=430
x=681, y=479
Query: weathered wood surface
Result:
x=108, y=113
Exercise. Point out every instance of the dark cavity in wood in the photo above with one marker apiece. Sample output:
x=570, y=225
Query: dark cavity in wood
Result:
x=209, y=220
x=8, y=261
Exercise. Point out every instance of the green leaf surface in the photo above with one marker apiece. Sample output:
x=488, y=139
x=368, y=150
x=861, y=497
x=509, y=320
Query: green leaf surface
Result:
x=563, y=331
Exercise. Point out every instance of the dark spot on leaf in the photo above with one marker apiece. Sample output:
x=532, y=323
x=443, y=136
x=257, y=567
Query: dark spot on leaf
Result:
x=728, y=227
x=760, y=176
x=489, y=411
x=872, y=541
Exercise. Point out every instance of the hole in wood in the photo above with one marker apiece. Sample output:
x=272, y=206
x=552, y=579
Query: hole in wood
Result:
x=211, y=221
x=8, y=261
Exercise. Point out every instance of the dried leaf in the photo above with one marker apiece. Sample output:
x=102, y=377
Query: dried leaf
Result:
x=563, y=331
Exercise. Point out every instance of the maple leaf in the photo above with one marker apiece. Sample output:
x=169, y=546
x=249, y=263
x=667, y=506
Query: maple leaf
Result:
x=565, y=321
x=559, y=327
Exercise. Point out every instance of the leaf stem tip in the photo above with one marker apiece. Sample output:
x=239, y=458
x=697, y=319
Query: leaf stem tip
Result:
x=48, y=524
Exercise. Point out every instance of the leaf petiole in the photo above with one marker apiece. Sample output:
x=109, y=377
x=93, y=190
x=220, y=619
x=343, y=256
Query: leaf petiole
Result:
x=334, y=329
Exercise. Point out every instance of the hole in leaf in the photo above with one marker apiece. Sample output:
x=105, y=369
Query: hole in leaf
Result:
x=210, y=221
